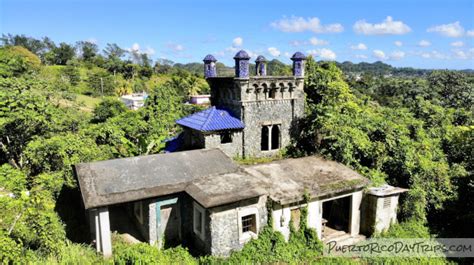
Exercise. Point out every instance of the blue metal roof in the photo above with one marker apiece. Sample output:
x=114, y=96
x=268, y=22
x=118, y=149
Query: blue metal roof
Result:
x=261, y=58
x=211, y=119
x=209, y=58
x=242, y=55
x=298, y=56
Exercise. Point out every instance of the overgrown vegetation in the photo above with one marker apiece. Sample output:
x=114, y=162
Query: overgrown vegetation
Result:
x=413, y=132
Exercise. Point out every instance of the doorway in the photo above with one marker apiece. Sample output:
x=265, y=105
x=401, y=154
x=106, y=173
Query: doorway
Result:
x=336, y=216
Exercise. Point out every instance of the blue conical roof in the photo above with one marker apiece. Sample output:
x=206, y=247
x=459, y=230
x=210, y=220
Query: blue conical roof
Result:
x=298, y=56
x=212, y=119
x=242, y=55
x=209, y=58
x=260, y=58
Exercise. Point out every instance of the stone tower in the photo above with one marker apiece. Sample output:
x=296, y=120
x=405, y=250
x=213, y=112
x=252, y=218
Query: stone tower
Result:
x=267, y=105
x=210, y=66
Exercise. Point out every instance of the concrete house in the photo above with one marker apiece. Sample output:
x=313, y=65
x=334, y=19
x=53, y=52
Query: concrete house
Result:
x=202, y=199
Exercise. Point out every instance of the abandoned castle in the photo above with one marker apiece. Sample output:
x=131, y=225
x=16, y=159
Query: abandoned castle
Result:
x=196, y=195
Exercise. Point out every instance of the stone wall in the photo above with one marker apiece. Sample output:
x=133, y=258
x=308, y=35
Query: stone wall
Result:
x=259, y=101
x=225, y=224
x=232, y=149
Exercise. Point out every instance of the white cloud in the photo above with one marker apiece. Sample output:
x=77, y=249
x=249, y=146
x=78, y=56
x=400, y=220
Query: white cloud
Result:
x=457, y=44
x=361, y=56
x=424, y=43
x=324, y=53
x=397, y=55
x=470, y=33
x=237, y=42
x=149, y=51
x=175, y=47
x=92, y=40
x=300, y=24
x=315, y=41
x=137, y=49
x=274, y=51
x=379, y=54
x=452, y=30
x=388, y=26
x=360, y=46
x=287, y=54
x=398, y=43
x=296, y=43
x=433, y=55
x=467, y=54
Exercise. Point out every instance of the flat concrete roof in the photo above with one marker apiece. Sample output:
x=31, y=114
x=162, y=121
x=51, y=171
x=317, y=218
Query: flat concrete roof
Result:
x=212, y=178
x=285, y=181
x=128, y=179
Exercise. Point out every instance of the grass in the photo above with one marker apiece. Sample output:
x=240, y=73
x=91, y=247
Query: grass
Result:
x=86, y=102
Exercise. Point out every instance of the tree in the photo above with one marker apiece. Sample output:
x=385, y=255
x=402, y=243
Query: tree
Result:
x=63, y=53
x=16, y=60
x=101, y=82
x=88, y=50
x=108, y=108
x=453, y=88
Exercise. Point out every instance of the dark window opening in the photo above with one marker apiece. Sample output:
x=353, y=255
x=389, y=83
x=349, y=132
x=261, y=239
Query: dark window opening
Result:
x=226, y=137
x=275, y=137
x=272, y=93
x=265, y=135
x=249, y=224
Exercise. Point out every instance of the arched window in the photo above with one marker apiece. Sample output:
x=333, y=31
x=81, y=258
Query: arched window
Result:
x=264, y=142
x=275, y=137
x=272, y=93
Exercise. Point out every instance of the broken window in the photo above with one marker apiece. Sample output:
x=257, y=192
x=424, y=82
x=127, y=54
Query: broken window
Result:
x=265, y=135
x=249, y=223
x=198, y=220
x=226, y=137
x=275, y=137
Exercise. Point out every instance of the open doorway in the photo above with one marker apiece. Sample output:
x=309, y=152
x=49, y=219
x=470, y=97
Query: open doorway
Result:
x=336, y=217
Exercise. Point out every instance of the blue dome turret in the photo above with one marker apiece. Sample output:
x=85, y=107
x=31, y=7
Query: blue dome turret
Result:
x=298, y=64
x=242, y=64
x=210, y=66
x=261, y=66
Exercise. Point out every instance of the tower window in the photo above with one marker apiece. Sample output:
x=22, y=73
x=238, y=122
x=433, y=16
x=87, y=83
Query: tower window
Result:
x=272, y=93
x=275, y=137
x=226, y=137
x=265, y=137
x=249, y=224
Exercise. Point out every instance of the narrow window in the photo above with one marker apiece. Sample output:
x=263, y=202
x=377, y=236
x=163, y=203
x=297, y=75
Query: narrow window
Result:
x=249, y=224
x=264, y=140
x=275, y=137
x=272, y=93
x=198, y=221
x=226, y=137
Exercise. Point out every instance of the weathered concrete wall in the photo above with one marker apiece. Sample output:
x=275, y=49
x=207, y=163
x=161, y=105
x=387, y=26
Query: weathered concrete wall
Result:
x=225, y=224
x=282, y=214
x=233, y=149
x=379, y=213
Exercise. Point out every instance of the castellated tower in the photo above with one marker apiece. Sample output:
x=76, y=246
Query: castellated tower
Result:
x=268, y=106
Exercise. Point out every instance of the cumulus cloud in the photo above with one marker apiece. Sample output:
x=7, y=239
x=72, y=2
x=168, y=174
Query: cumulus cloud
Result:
x=360, y=46
x=388, y=26
x=175, y=47
x=300, y=24
x=324, y=53
x=433, y=55
x=470, y=33
x=379, y=54
x=464, y=54
x=397, y=55
x=457, y=44
x=315, y=41
x=424, y=43
x=274, y=51
x=137, y=49
x=237, y=42
x=452, y=30
x=398, y=43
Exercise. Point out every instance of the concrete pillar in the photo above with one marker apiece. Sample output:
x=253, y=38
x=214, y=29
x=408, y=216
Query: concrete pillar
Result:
x=356, y=200
x=102, y=231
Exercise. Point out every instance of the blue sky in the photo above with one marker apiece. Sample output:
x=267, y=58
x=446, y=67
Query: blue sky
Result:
x=421, y=34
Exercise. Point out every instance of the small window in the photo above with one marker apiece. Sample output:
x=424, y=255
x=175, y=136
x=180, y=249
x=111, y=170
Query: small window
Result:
x=264, y=140
x=226, y=137
x=198, y=221
x=272, y=93
x=275, y=137
x=249, y=224
x=387, y=202
x=138, y=211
